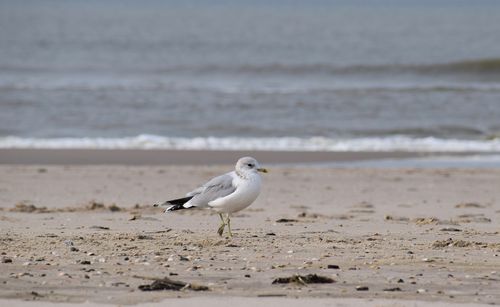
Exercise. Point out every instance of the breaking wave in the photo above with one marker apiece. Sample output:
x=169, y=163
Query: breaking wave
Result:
x=370, y=144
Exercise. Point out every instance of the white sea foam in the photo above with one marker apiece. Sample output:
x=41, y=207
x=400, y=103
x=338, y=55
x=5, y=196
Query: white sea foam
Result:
x=372, y=144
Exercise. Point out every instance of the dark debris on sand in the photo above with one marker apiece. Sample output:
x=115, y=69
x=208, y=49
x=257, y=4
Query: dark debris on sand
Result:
x=169, y=284
x=286, y=220
x=304, y=279
x=28, y=207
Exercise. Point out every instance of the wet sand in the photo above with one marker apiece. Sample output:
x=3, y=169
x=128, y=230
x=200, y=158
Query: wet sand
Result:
x=187, y=157
x=89, y=233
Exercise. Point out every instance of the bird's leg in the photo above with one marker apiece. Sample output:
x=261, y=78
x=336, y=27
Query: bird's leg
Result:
x=222, y=225
x=229, y=225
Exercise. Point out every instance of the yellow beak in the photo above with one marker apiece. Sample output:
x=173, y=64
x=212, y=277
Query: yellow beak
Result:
x=262, y=170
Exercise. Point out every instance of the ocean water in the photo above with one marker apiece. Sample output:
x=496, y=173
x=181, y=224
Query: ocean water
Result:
x=277, y=75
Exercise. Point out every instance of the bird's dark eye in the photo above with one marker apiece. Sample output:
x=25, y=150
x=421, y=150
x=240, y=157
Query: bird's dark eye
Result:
x=250, y=165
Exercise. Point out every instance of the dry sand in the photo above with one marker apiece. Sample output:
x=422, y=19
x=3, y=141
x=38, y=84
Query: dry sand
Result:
x=89, y=233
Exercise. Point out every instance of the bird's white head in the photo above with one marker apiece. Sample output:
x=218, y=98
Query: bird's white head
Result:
x=248, y=165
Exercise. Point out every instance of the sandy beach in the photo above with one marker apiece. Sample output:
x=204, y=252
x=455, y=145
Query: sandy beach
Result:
x=89, y=233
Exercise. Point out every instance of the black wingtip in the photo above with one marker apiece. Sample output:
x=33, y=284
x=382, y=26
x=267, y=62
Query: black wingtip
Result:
x=179, y=201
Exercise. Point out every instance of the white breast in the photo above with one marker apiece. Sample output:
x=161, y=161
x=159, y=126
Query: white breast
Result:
x=246, y=192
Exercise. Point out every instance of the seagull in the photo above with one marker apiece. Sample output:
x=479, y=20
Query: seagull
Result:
x=225, y=194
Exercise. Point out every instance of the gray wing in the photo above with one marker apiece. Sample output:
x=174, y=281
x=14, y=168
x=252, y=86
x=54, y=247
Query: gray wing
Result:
x=216, y=188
